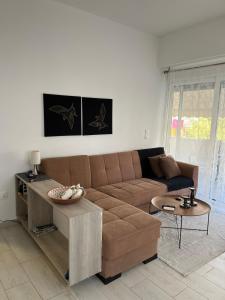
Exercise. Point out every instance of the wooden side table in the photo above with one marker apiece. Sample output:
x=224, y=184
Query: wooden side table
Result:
x=75, y=248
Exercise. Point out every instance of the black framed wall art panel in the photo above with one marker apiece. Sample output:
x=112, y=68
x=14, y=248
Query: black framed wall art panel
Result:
x=97, y=116
x=62, y=115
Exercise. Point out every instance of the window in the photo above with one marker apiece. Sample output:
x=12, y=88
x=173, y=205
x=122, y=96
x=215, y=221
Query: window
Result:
x=192, y=107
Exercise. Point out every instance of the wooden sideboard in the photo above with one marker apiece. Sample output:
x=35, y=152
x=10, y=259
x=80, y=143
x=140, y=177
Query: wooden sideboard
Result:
x=75, y=247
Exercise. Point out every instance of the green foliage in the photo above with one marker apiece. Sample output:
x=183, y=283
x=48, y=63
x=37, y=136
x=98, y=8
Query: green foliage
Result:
x=200, y=128
x=221, y=129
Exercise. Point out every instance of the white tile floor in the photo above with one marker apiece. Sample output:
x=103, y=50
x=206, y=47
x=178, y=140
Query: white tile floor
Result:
x=25, y=274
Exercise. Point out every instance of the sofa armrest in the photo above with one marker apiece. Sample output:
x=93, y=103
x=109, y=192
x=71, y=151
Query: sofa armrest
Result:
x=190, y=171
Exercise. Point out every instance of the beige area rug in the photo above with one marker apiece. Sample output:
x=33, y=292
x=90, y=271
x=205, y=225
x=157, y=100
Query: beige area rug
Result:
x=197, y=248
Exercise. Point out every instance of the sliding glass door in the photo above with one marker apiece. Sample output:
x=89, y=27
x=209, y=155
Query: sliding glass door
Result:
x=191, y=128
x=196, y=125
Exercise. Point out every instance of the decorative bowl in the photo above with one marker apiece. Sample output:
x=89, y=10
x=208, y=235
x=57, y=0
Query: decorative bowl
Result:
x=55, y=195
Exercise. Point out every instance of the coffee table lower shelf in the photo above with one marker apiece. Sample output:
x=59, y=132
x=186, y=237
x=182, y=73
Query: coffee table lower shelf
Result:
x=179, y=229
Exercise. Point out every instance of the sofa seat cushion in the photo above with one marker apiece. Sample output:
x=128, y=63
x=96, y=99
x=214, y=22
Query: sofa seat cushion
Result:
x=108, y=217
x=177, y=183
x=101, y=199
x=124, y=235
x=125, y=228
x=135, y=192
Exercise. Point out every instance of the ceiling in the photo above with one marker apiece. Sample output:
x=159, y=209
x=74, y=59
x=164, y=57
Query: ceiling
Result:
x=154, y=16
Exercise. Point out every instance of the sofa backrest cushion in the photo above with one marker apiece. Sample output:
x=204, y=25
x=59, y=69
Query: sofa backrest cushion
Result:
x=145, y=165
x=68, y=170
x=98, y=171
x=130, y=165
x=57, y=168
x=80, y=171
x=115, y=167
x=112, y=167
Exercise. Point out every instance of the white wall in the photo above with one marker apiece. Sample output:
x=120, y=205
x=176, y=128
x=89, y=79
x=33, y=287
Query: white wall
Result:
x=195, y=44
x=53, y=48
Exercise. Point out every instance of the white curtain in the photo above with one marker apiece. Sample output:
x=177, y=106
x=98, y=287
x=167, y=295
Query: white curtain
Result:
x=218, y=175
x=195, y=131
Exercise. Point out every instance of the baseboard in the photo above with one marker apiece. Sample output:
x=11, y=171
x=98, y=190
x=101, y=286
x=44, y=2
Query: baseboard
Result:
x=108, y=279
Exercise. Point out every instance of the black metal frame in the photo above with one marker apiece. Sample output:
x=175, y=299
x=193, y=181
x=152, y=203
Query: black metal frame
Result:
x=179, y=229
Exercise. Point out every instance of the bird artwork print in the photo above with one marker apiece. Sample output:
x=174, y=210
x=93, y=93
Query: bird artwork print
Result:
x=99, y=119
x=68, y=114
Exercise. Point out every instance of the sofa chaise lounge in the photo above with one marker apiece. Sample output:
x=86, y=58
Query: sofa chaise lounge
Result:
x=114, y=182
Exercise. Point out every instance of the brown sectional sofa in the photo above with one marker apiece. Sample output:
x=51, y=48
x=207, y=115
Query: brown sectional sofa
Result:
x=129, y=235
x=115, y=183
x=119, y=175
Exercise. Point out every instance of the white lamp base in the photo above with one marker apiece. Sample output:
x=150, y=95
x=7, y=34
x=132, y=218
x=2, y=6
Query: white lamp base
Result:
x=35, y=171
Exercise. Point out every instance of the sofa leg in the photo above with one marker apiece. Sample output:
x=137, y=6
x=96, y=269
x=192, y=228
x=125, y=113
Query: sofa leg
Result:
x=150, y=259
x=108, y=279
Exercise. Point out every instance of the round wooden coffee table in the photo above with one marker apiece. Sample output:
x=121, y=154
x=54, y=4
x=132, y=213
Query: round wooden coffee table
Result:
x=202, y=208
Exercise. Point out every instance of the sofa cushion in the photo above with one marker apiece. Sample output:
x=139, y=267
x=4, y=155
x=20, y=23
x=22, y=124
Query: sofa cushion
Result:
x=125, y=235
x=177, y=183
x=98, y=170
x=101, y=199
x=57, y=168
x=124, y=211
x=125, y=228
x=135, y=192
x=68, y=170
x=155, y=165
x=169, y=167
x=129, y=165
x=114, y=168
x=108, y=217
x=145, y=166
x=108, y=202
x=80, y=171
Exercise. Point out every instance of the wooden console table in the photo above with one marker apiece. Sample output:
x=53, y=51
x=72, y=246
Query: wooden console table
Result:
x=75, y=248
